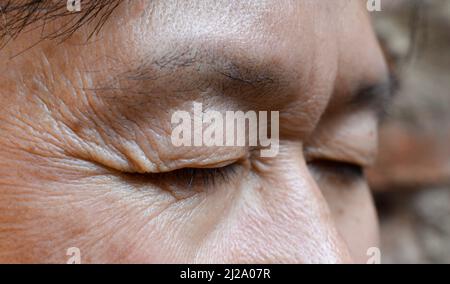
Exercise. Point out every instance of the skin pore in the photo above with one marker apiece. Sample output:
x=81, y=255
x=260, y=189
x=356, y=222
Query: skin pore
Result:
x=85, y=126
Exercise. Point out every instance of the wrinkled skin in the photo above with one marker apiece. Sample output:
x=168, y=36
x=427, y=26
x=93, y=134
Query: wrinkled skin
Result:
x=84, y=140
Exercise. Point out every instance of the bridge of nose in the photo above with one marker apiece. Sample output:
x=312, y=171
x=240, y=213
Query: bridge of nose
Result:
x=281, y=217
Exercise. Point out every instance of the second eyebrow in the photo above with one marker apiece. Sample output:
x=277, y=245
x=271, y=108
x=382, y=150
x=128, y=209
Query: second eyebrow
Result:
x=376, y=96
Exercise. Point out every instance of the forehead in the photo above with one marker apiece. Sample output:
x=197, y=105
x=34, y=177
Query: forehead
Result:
x=290, y=30
x=263, y=24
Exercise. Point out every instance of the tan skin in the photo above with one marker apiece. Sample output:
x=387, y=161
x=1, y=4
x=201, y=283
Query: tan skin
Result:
x=85, y=136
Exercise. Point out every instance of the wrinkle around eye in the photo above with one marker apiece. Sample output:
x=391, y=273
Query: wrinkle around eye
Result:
x=170, y=159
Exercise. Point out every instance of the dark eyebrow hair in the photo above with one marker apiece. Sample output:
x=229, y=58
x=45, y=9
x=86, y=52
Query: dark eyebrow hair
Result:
x=215, y=67
x=18, y=15
x=376, y=96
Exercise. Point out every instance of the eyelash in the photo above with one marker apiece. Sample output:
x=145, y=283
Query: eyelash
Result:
x=192, y=178
x=344, y=171
x=206, y=176
x=201, y=178
x=210, y=177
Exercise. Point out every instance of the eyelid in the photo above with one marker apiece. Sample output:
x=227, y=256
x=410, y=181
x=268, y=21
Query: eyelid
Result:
x=337, y=170
x=350, y=138
x=191, y=179
x=342, y=153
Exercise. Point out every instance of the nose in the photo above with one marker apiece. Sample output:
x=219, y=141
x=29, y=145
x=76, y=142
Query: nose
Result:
x=284, y=218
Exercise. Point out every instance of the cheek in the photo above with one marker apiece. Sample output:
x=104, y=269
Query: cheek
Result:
x=106, y=223
x=354, y=213
x=279, y=216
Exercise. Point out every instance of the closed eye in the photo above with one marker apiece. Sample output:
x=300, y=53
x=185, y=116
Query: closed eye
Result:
x=343, y=172
x=191, y=178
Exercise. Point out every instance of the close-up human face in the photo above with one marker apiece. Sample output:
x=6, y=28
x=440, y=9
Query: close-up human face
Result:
x=87, y=159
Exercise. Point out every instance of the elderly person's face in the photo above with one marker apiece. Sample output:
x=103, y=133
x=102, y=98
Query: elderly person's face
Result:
x=86, y=154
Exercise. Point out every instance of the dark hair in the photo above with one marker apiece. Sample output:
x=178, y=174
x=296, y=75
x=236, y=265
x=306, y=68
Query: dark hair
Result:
x=18, y=15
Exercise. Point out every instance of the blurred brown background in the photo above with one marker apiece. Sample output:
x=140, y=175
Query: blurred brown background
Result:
x=412, y=177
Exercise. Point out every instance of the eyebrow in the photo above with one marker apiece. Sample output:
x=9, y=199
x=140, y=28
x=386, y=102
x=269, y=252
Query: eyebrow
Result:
x=376, y=96
x=215, y=67
x=248, y=73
